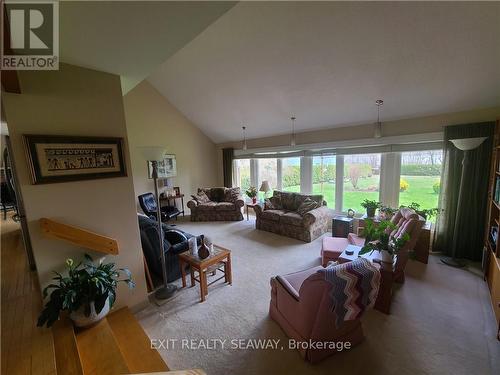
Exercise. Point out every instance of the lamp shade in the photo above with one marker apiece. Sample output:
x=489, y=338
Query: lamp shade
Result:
x=265, y=186
x=466, y=144
x=153, y=153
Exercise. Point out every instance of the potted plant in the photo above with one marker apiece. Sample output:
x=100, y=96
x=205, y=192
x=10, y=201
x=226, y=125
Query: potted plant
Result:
x=252, y=194
x=378, y=237
x=371, y=207
x=426, y=213
x=87, y=292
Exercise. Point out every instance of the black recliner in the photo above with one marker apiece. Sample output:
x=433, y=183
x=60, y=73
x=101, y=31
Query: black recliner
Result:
x=175, y=242
x=147, y=202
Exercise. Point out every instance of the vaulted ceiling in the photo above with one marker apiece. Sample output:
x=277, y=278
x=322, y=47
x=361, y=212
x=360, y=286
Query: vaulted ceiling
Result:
x=328, y=62
x=224, y=64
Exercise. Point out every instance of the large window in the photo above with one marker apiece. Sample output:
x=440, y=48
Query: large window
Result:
x=290, y=175
x=361, y=180
x=323, y=175
x=420, y=178
x=242, y=174
x=268, y=170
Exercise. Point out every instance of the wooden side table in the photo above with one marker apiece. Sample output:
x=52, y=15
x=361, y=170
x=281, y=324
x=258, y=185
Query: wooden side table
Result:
x=342, y=226
x=252, y=206
x=423, y=244
x=173, y=198
x=220, y=257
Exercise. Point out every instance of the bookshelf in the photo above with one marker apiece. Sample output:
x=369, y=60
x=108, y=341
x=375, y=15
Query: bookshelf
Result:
x=492, y=242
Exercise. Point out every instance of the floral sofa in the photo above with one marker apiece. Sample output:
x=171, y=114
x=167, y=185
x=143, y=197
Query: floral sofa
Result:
x=283, y=214
x=217, y=204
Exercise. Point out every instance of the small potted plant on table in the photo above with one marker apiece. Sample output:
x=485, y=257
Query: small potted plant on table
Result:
x=378, y=237
x=252, y=194
x=371, y=207
x=87, y=292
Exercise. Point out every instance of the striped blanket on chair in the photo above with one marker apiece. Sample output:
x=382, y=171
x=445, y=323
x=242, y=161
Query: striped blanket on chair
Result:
x=355, y=288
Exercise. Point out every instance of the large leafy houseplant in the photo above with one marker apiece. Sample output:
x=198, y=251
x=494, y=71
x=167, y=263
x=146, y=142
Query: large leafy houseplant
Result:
x=378, y=238
x=371, y=206
x=87, y=286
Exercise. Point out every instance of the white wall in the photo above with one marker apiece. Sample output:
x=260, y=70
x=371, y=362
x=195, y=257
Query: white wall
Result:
x=76, y=101
x=153, y=121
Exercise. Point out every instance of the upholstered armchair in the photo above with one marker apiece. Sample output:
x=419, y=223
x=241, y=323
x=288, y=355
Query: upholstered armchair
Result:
x=301, y=305
x=407, y=221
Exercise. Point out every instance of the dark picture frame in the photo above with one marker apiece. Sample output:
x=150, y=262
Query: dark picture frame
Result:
x=167, y=167
x=177, y=191
x=54, y=158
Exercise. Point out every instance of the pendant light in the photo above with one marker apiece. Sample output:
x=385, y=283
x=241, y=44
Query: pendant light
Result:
x=244, y=146
x=378, y=125
x=292, y=137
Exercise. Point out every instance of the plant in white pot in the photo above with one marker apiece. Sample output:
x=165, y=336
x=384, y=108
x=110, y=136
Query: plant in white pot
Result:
x=378, y=237
x=87, y=292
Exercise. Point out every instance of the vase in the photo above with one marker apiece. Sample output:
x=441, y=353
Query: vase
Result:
x=80, y=320
x=386, y=257
x=370, y=212
x=203, y=250
x=254, y=200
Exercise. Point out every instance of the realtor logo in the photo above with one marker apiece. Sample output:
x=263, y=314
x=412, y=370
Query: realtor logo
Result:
x=30, y=35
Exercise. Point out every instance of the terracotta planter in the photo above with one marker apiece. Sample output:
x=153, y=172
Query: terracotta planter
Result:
x=80, y=320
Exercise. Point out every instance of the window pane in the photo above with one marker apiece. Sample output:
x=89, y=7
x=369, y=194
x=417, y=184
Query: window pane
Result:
x=324, y=178
x=361, y=180
x=420, y=178
x=290, y=174
x=242, y=174
x=268, y=170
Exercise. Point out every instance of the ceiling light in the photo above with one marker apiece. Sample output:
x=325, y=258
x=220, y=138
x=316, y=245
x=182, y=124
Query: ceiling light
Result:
x=378, y=125
x=244, y=146
x=292, y=137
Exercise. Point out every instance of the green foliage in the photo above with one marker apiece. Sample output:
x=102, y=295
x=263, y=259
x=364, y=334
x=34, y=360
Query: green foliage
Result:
x=291, y=176
x=426, y=213
x=85, y=283
x=403, y=185
x=421, y=170
x=367, y=203
x=437, y=187
x=325, y=174
x=389, y=211
x=251, y=192
x=378, y=237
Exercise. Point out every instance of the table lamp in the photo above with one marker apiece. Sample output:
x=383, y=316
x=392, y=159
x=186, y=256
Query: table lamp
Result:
x=265, y=188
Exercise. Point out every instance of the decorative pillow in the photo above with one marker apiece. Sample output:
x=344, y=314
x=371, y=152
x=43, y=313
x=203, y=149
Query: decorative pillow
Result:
x=201, y=197
x=306, y=206
x=268, y=204
x=231, y=195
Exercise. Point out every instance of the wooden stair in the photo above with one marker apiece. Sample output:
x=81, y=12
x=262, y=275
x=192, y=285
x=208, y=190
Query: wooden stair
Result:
x=115, y=345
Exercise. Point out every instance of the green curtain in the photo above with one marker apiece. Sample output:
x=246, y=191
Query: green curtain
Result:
x=227, y=166
x=464, y=228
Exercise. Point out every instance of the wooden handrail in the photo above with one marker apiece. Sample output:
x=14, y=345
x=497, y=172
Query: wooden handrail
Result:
x=78, y=236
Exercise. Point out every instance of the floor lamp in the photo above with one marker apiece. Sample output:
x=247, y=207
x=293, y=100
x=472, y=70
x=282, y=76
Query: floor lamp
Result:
x=466, y=145
x=154, y=155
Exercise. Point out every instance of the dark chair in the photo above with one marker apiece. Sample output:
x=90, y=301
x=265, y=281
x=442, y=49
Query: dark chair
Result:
x=175, y=242
x=148, y=204
x=8, y=200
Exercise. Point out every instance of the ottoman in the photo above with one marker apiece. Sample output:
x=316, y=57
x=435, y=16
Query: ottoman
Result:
x=331, y=248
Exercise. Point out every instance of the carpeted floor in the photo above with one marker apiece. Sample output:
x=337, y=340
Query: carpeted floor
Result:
x=441, y=321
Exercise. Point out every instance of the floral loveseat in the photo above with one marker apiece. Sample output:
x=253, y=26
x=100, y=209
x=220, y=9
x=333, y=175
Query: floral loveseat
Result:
x=216, y=204
x=287, y=214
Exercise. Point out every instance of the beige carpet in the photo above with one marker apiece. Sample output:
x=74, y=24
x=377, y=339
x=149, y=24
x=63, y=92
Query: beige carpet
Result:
x=441, y=321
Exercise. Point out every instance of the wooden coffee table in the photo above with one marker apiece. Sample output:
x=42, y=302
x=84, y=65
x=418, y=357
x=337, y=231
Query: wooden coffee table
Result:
x=384, y=298
x=219, y=260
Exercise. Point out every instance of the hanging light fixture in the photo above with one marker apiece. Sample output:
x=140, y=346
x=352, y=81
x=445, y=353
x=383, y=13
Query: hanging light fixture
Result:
x=244, y=145
x=378, y=125
x=292, y=137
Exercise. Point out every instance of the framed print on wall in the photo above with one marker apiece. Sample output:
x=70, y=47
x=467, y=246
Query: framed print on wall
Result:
x=166, y=168
x=71, y=158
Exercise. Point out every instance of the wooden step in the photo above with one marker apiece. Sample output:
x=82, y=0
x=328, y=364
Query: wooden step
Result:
x=134, y=344
x=68, y=359
x=99, y=351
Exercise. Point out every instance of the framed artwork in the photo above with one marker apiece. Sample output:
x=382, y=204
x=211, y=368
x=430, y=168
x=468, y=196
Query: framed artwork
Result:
x=177, y=190
x=71, y=158
x=166, y=168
